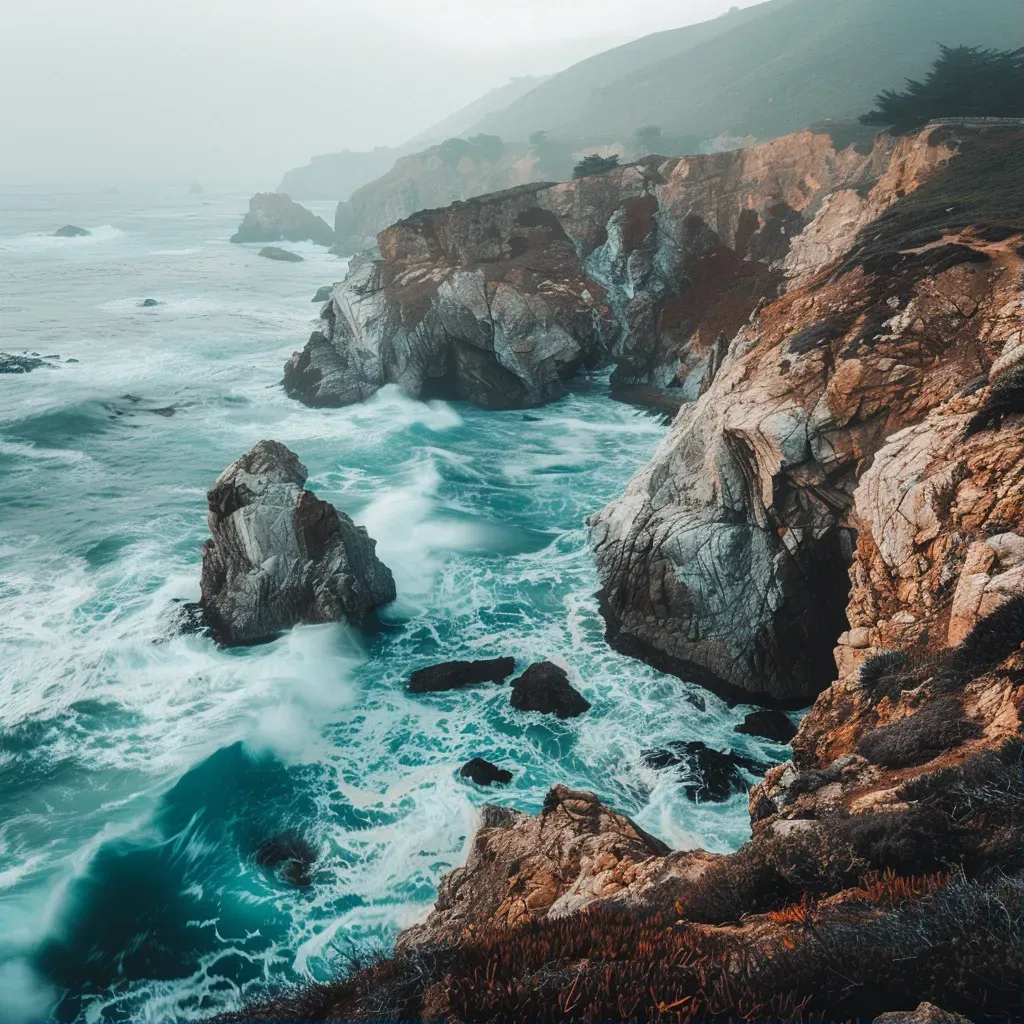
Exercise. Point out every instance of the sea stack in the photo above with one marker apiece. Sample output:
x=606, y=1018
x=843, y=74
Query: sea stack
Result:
x=274, y=217
x=279, y=556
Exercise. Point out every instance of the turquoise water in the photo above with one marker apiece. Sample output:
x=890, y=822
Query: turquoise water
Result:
x=140, y=770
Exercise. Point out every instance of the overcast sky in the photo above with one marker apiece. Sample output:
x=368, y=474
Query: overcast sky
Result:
x=237, y=91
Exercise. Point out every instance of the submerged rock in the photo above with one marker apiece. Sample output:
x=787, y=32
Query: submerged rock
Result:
x=709, y=775
x=149, y=303
x=770, y=723
x=323, y=293
x=273, y=217
x=483, y=773
x=22, y=364
x=545, y=687
x=280, y=556
x=272, y=252
x=71, y=231
x=289, y=856
x=450, y=675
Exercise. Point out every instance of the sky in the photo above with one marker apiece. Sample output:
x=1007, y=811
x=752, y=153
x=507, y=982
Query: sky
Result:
x=235, y=92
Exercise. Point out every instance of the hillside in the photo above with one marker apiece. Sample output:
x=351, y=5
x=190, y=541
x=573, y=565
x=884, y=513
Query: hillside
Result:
x=337, y=175
x=763, y=71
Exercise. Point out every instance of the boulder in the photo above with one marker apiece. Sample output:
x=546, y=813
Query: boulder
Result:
x=708, y=775
x=545, y=687
x=289, y=856
x=272, y=252
x=483, y=773
x=323, y=293
x=71, y=231
x=273, y=217
x=148, y=303
x=451, y=675
x=925, y=1013
x=770, y=724
x=22, y=364
x=279, y=556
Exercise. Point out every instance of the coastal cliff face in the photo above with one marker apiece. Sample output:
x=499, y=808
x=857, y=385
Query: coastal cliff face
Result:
x=726, y=558
x=651, y=267
x=843, y=504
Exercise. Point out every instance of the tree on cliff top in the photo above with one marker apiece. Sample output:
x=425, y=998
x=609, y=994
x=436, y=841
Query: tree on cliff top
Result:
x=595, y=164
x=964, y=81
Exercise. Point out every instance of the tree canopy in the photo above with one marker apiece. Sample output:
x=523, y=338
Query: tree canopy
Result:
x=595, y=164
x=964, y=81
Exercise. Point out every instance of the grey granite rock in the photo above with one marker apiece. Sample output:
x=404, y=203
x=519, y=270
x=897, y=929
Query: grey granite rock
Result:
x=279, y=556
x=273, y=217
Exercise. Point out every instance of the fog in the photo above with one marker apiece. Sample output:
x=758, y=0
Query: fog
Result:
x=234, y=92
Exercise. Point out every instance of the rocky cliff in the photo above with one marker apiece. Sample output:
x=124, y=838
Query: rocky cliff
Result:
x=848, y=486
x=501, y=298
x=726, y=557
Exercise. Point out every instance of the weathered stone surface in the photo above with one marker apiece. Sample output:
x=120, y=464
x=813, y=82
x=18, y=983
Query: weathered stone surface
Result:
x=273, y=217
x=521, y=867
x=452, y=675
x=279, y=556
x=725, y=559
x=771, y=724
x=925, y=1013
x=500, y=299
x=545, y=687
x=483, y=773
x=273, y=252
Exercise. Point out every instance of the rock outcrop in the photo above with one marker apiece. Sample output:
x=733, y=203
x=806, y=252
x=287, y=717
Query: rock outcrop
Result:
x=71, y=231
x=483, y=773
x=545, y=687
x=273, y=217
x=453, y=675
x=273, y=252
x=726, y=558
x=279, y=556
x=501, y=299
x=841, y=510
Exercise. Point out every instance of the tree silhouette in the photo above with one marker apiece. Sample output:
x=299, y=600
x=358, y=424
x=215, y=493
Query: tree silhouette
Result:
x=964, y=81
x=595, y=164
x=538, y=138
x=648, y=137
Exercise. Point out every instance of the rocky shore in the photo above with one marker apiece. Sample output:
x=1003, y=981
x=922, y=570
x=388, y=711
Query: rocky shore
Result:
x=837, y=513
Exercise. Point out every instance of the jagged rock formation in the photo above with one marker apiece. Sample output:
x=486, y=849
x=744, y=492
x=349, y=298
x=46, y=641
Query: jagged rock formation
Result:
x=545, y=687
x=453, y=675
x=483, y=773
x=10, y=363
x=279, y=556
x=725, y=559
x=273, y=217
x=852, y=477
x=501, y=299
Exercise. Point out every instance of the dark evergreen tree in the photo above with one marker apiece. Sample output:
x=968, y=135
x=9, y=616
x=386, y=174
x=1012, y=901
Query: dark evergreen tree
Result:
x=595, y=164
x=964, y=81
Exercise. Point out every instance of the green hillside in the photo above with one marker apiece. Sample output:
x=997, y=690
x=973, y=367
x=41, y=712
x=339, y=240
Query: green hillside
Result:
x=763, y=71
x=558, y=102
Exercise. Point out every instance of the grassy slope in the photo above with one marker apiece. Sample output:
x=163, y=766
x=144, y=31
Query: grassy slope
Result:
x=560, y=99
x=764, y=71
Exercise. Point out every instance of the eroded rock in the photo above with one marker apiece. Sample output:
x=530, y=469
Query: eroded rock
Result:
x=545, y=687
x=274, y=217
x=280, y=556
x=451, y=675
x=483, y=773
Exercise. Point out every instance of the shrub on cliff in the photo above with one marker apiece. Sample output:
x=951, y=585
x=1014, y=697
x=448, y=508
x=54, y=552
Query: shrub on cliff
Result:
x=965, y=81
x=594, y=164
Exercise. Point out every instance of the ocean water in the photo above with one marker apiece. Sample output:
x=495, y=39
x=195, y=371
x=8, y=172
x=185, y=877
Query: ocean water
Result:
x=140, y=770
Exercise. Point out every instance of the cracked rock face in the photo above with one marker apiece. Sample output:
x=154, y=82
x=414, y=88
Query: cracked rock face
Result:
x=274, y=217
x=725, y=560
x=279, y=556
x=501, y=299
